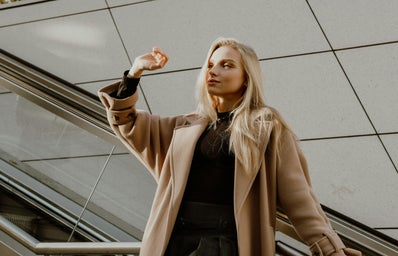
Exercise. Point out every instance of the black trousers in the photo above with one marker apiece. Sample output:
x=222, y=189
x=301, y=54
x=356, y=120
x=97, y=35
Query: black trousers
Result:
x=203, y=230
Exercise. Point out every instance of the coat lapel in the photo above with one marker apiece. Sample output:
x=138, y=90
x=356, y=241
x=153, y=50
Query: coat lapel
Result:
x=183, y=147
x=244, y=180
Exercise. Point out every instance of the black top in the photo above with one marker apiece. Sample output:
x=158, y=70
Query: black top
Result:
x=211, y=178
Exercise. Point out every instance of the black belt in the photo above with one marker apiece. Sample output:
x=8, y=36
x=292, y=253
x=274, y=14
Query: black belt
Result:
x=203, y=216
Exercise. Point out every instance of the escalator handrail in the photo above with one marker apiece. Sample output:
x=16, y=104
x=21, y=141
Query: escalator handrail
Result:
x=68, y=247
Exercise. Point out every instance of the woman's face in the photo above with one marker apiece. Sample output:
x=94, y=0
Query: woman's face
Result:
x=225, y=75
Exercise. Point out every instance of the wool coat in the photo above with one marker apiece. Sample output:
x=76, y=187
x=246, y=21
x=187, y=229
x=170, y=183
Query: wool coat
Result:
x=165, y=145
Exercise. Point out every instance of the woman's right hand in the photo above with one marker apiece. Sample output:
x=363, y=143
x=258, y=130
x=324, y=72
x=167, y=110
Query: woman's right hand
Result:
x=150, y=61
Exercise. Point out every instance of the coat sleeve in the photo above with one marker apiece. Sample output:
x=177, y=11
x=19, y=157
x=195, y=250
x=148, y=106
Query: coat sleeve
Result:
x=297, y=198
x=146, y=136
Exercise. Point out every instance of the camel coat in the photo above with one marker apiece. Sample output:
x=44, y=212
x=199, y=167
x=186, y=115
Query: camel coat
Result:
x=166, y=147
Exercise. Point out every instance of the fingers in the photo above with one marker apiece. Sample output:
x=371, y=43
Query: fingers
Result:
x=160, y=57
x=158, y=50
x=150, y=61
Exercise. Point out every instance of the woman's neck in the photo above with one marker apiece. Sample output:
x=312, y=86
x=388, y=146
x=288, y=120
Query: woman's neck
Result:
x=225, y=108
x=227, y=105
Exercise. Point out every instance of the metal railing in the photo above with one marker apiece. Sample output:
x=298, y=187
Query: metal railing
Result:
x=66, y=248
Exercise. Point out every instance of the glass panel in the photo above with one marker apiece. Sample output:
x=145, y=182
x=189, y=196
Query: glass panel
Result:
x=126, y=191
x=69, y=160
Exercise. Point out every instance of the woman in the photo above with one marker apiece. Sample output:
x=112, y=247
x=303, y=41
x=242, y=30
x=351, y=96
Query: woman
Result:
x=222, y=170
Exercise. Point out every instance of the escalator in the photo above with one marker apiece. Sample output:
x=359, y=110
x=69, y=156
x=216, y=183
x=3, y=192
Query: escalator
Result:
x=48, y=227
x=57, y=146
x=42, y=214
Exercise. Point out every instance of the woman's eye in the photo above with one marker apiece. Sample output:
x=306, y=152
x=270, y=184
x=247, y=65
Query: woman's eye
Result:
x=226, y=65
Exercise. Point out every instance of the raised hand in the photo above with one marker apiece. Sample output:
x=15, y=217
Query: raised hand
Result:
x=149, y=61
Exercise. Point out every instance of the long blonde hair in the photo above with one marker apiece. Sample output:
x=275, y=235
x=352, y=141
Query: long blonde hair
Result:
x=251, y=115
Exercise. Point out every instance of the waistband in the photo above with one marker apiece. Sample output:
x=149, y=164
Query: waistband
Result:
x=203, y=216
x=205, y=211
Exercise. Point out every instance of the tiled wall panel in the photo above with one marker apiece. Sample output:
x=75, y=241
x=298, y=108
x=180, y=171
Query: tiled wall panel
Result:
x=357, y=22
x=373, y=74
x=78, y=48
x=355, y=177
x=47, y=10
x=313, y=95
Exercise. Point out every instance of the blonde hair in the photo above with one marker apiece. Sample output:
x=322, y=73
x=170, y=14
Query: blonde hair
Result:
x=251, y=115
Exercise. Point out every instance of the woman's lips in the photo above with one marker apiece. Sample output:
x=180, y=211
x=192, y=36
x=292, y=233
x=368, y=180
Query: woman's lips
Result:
x=212, y=81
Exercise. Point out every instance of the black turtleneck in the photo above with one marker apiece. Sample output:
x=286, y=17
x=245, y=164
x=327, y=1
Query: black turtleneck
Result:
x=211, y=178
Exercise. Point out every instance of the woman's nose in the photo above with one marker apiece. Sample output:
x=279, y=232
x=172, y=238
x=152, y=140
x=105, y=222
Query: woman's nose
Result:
x=212, y=71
